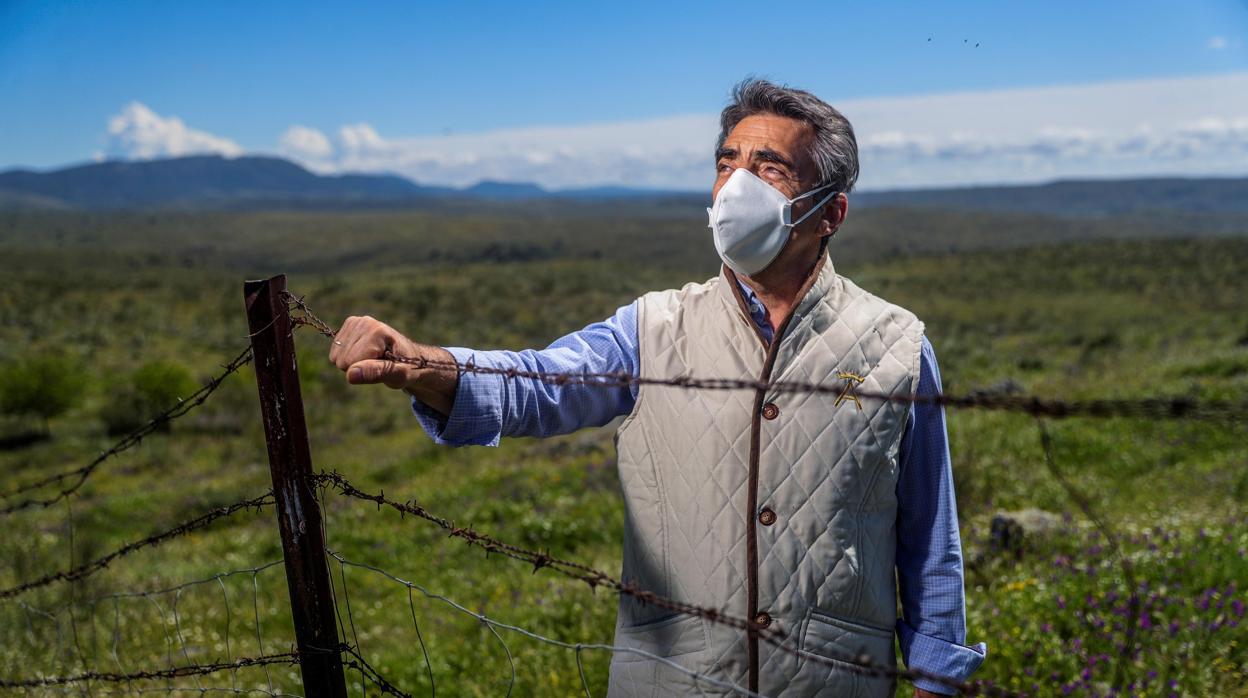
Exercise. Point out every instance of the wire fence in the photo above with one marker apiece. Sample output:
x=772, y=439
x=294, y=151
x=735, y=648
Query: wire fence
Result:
x=595, y=579
x=88, y=568
x=170, y=620
x=1177, y=407
x=170, y=673
x=65, y=485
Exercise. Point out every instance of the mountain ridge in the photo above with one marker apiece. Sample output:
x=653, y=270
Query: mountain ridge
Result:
x=213, y=182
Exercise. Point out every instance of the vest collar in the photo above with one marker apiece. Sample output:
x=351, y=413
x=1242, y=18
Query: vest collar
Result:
x=821, y=281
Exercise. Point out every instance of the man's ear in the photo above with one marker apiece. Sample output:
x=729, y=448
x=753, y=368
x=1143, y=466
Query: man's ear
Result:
x=833, y=217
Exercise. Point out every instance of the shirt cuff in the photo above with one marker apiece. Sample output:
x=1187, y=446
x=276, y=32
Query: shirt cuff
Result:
x=476, y=417
x=937, y=657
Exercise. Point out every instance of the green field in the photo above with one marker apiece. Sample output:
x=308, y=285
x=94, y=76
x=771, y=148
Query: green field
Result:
x=1070, y=309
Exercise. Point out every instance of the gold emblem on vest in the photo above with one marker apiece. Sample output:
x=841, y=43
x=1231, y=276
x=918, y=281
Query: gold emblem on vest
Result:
x=852, y=380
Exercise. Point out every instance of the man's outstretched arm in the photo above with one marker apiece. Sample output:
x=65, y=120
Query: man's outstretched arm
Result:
x=932, y=629
x=464, y=408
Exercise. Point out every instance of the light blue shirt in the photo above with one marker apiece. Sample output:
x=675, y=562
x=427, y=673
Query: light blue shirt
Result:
x=932, y=627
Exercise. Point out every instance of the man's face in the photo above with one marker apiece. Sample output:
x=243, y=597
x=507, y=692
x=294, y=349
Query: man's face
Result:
x=776, y=149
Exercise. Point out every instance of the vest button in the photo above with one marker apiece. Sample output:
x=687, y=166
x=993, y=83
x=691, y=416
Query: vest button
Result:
x=770, y=411
x=766, y=517
x=763, y=620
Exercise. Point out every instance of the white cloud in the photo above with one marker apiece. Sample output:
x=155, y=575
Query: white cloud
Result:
x=1168, y=126
x=1186, y=126
x=140, y=133
x=1217, y=43
x=362, y=138
x=304, y=143
x=1183, y=126
x=669, y=152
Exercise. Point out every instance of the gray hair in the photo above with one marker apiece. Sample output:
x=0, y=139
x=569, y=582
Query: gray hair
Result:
x=834, y=149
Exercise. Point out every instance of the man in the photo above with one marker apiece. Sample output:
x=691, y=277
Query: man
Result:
x=794, y=509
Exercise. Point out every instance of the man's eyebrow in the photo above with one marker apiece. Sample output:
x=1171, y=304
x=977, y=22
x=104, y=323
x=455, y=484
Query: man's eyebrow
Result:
x=762, y=154
x=767, y=155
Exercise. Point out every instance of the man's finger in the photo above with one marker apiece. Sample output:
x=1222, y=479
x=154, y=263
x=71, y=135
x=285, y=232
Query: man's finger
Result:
x=393, y=375
x=342, y=338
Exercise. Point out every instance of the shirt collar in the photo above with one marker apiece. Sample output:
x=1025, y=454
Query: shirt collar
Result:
x=824, y=281
x=758, y=311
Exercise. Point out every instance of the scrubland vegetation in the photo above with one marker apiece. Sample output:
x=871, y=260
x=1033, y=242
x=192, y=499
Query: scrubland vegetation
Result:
x=103, y=319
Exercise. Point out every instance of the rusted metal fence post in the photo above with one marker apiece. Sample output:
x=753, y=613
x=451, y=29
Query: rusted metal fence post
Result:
x=298, y=514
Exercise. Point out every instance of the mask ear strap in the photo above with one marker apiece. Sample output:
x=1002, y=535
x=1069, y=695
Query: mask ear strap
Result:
x=814, y=208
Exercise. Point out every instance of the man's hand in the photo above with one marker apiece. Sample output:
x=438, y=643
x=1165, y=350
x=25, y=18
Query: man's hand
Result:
x=360, y=349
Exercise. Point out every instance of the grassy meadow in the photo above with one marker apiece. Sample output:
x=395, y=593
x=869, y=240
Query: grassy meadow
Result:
x=128, y=305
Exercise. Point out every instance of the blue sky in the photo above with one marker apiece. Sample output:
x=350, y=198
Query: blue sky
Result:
x=434, y=86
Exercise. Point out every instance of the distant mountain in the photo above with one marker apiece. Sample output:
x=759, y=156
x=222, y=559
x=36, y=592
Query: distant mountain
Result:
x=489, y=189
x=216, y=183
x=11, y=200
x=206, y=181
x=1079, y=197
x=616, y=192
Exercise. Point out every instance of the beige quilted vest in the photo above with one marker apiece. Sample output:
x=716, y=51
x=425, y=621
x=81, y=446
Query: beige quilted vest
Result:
x=776, y=504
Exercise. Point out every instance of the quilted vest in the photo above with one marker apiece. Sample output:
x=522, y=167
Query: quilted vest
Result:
x=779, y=507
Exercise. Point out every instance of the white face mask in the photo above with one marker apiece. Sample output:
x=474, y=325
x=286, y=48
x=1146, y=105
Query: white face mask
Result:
x=750, y=221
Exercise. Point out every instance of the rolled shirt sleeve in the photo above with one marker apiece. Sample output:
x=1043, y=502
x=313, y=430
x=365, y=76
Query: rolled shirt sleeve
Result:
x=488, y=407
x=932, y=629
x=476, y=417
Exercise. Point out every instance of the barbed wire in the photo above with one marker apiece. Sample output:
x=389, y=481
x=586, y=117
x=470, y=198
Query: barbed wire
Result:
x=172, y=690
x=367, y=671
x=1232, y=411
x=149, y=596
x=170, y=673
x=193, y=670
x=225, y=597
x=97, y=600
x=424, y=650
x=89, y=568
x=595, y=578
x=130, y=440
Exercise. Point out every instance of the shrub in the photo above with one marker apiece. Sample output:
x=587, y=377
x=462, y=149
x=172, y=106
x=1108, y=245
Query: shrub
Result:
x=153, y=388
x=40, y=386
